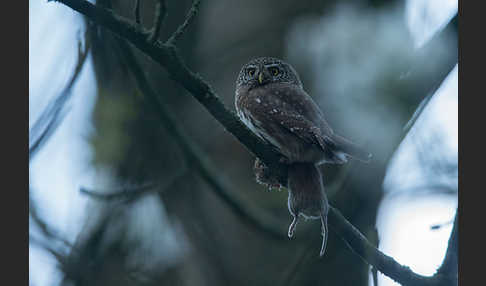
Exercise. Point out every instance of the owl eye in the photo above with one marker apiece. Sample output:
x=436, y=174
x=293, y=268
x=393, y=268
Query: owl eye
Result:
x=274, y=71
x=251, y=71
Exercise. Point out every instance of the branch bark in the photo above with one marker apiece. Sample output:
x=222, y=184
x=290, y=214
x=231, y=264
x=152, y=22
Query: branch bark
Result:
x=358, y=243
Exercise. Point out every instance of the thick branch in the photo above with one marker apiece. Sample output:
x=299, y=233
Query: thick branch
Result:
x=168, y=57
x=384, y=263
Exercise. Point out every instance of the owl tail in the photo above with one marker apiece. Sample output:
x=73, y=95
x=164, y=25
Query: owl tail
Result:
x=351, y=149
x=307, y=197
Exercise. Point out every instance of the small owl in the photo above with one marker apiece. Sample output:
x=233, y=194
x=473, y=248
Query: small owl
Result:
x=271, y=102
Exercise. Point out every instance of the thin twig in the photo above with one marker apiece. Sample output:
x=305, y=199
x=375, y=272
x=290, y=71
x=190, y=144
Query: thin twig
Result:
x=159, y=17
x=182, y=28
x=52, y=117
x=136, y=11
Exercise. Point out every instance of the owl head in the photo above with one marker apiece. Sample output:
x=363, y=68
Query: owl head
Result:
x=262, y=71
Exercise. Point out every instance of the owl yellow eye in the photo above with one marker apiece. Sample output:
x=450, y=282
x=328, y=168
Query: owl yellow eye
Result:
x=251, y=71
x=274, y=71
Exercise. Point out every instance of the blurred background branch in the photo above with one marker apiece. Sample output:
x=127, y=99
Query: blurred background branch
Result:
x=448, y=271
x=53, y=114
x=128, y=193
x=39, y=134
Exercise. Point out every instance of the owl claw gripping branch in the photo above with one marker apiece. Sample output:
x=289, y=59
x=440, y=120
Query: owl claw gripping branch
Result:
x=271, y=102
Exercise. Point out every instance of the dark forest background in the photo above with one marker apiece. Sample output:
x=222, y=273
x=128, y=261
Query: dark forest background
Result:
x=152, y=218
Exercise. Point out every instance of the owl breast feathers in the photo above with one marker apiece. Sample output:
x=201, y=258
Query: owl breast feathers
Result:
x=279, y=111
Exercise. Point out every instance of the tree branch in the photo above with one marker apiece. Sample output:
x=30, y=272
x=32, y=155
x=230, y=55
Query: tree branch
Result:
x=182, y=28
x=358, y=243
x=194, y=157
x=160, y=14
x=168, y=56
x=136, y=11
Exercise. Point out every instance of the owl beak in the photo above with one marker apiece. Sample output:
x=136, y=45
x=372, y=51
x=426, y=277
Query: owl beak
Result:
x=260, y=78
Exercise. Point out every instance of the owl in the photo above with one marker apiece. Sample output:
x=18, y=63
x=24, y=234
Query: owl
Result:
x=271, y=101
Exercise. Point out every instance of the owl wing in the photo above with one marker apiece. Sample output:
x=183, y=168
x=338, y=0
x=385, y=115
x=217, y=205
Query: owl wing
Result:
x=295, y=98
x=298, y=102
x=299, y=125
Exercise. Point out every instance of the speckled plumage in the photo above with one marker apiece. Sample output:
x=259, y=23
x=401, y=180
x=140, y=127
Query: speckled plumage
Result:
x=283, y=114
x=272, y=103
